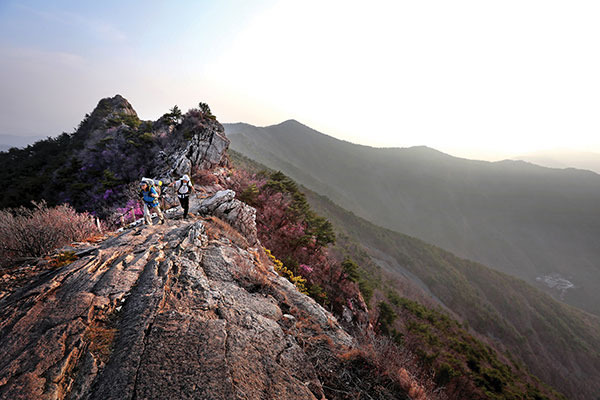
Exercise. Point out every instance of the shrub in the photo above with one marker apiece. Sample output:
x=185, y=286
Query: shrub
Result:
x=282, y=270
x=130, y=120
x=367, y=289
x=204, y=108
x=250, y=194
x=203, y=177
x=351, y=269
x=35, y=232
x=298, y=236
x=318, y=294
x=387, y=316
x=445, y=373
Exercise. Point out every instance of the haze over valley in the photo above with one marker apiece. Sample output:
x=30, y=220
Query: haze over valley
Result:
x=526, y=220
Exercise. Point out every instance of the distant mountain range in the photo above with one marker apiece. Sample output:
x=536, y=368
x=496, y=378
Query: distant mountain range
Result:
x=536, y=223
x=564, y=158
x=8, y=141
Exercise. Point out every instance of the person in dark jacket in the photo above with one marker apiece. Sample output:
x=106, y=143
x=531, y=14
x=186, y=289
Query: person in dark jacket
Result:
x=183, y=188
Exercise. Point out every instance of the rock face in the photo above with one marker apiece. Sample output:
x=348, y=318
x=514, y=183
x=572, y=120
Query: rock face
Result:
x=187, y=310
x=241, y=216
x=117, y=105
x=203, y=146
x=113, y=149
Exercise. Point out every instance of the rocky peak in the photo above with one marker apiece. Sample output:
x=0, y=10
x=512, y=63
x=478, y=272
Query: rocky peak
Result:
x=109, y=111
x=113, y=149
x=111, y=106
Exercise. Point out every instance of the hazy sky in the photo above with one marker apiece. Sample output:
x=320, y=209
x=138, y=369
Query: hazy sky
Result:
x=474, y=78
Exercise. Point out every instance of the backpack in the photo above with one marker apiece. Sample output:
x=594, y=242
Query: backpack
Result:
x=154, y=183
x=181, y=185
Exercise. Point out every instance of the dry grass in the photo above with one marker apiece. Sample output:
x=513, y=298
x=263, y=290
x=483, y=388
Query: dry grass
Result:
x=217, y=228
x=62, y=259
x=100, y=339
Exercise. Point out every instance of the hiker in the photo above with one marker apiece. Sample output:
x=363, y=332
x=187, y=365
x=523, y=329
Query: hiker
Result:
x=150, y=195
x=183, y=188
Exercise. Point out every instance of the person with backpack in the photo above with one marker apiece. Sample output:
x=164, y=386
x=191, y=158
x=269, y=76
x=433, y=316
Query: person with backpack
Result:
x=150, y=195
x=183, y=188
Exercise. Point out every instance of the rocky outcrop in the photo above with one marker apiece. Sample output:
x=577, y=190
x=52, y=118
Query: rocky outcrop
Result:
x=176, y=311
x=241, y=216
x=116, y=105
x=112, y=149
x=202, y=144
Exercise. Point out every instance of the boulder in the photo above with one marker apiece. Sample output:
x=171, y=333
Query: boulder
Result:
x=239, y=215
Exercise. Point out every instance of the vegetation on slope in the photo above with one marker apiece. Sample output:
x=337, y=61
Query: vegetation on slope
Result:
x=558, y=343
x=462, y=364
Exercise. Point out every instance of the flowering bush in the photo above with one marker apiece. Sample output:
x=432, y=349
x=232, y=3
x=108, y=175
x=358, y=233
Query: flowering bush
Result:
x=133, y=205
x=35, y=232
x=298, y=237
x=281, y=269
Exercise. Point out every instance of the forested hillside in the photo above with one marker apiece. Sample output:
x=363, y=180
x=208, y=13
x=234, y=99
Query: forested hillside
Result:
x=556, y=342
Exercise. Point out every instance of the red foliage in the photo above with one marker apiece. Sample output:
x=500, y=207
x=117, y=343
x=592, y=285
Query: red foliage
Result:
x=285, y=231
x=204, y=177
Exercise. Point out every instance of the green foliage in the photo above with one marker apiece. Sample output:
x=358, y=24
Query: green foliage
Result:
x=322, y=229
x=205, y=108
x=130, y=120
x=319, y=294
x=250, y=194
x=104, y=141
x=492, y=380
x=109, y=179
x=317, y=226
x=386, y=319
x=174, y=115
x=351, y=269
x=147, y=137
x=445, y=373
x=366, y=288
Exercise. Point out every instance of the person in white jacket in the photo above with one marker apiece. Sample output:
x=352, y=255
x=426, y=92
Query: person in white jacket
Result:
x=183, y=188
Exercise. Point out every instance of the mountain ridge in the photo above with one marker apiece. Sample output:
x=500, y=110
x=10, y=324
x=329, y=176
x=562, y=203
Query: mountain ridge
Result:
x=527, y=220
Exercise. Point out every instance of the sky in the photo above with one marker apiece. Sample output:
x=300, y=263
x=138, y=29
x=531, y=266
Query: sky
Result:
x=479, y=79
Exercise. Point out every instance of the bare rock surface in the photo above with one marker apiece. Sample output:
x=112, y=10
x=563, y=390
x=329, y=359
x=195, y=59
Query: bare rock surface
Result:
x=200, y=143
x=165, y=312
x=240, y=215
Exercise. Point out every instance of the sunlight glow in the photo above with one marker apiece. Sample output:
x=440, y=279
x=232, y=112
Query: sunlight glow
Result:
x=496, y=77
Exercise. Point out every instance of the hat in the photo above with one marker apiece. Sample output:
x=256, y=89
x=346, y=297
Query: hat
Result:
x=185, y=178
